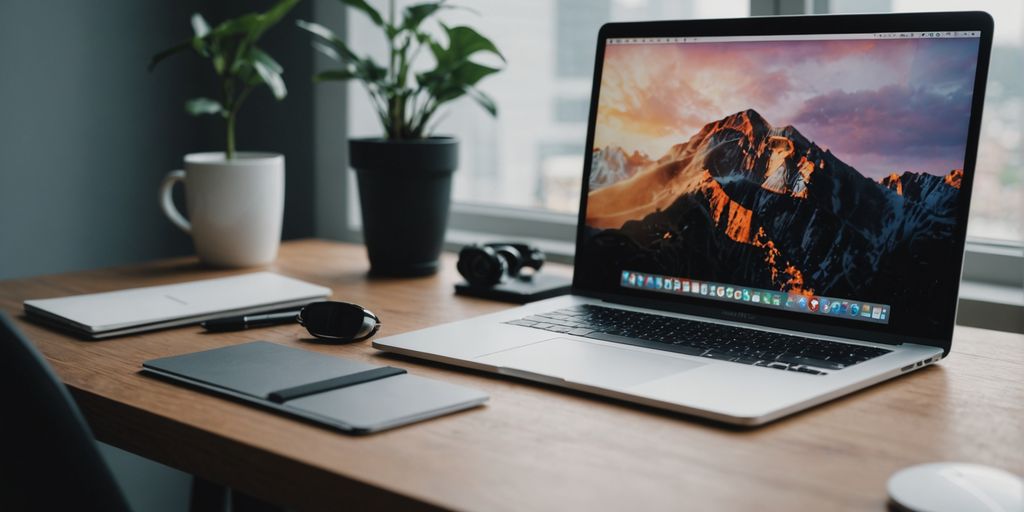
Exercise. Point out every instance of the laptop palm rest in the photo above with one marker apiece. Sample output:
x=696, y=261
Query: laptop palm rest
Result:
x=589, y=363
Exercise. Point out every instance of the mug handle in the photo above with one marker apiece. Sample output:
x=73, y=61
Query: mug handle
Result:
x=167, y=203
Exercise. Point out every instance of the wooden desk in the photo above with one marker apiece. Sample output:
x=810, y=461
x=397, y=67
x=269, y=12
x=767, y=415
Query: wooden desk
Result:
x=532, y=447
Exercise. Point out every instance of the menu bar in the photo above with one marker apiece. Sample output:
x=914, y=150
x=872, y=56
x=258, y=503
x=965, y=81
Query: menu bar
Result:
x=774, y=299
x=951, y=34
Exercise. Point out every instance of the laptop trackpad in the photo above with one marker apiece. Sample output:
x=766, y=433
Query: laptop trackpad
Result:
x=589, y=363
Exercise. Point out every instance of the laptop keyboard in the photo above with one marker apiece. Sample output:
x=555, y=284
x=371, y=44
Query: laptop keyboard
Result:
x=704, y=339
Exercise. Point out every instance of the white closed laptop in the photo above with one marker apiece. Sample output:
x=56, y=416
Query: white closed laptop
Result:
x=773, y=214
x=102, y=315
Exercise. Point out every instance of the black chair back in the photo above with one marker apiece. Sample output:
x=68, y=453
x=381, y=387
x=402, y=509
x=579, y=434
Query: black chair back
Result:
x=48, y=457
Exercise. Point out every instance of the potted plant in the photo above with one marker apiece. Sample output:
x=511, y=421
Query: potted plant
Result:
x=405, y=176
x=235, y=200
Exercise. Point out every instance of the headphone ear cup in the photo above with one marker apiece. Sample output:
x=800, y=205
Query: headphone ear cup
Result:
x=482, y=265
x=527, y=256
x=536, y=259
x=512, y=256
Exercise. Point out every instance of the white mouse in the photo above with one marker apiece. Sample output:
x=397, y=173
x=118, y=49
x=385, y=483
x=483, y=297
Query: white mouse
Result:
x=952, y=486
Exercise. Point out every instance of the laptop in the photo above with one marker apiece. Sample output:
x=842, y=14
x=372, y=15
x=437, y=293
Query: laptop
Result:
x=773, y=215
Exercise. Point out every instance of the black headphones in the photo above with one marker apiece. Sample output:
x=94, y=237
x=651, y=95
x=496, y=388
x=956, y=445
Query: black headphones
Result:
x=490, y=264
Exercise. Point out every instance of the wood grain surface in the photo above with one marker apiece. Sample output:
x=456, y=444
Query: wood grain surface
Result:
x=532, y=447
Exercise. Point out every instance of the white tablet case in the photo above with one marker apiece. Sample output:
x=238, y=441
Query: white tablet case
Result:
x=101, y=315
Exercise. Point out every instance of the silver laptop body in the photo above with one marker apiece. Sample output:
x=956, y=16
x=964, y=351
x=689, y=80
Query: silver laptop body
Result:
x=795, y=186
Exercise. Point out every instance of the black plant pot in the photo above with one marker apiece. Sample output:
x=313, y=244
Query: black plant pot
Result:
x=404, y=192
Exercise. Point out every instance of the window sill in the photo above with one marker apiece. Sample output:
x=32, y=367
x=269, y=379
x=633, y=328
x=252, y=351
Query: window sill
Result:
x=555, y=250
x=991, y=306
x=982, y=304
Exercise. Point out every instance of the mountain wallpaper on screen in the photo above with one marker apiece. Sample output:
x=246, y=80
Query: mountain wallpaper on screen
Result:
x=831, y=167
x=746, y=202
x=610, y=165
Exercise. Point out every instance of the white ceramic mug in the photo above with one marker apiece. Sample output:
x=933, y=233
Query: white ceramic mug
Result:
x=235, y=207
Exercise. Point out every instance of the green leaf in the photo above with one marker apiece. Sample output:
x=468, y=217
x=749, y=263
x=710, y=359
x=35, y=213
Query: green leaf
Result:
x=200, y=29
x=366, y=9
x=327, y=50
x=449, y=94
x=336, y=74
x=254, y=24
x=317, y=30
x=250, y=77
x=423, y=38
x=269, y=72
x=455, y=75
x=202, y=106
x=272, y=79
x=199, y=26
x=219, y=63
x=236, y=26
x=464, y=41
x=440, y=53
x=371, y=72
x=484, y=100
x=272, y=16
x=448, y=82
x=259, y=55
x=241, y=62
x=240, y=65
x=469, y=73
x=405, y=110
x=199, y=45
x=329, y=36
x=415, y=14
x=168, y=52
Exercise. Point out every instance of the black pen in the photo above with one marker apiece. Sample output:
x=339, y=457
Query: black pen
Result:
x=238, y=323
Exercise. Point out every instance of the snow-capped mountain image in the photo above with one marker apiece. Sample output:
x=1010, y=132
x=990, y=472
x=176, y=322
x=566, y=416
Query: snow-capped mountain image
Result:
x=745, y=201
x=611, y=165
x=831, y=167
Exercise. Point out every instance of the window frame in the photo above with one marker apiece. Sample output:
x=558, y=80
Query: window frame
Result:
x=989, y=262
x=994, y=262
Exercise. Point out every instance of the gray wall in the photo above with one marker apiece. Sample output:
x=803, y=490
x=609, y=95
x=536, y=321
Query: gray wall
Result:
x=86, y=133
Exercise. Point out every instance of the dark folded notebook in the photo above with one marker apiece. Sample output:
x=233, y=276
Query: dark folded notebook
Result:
x=346, y=395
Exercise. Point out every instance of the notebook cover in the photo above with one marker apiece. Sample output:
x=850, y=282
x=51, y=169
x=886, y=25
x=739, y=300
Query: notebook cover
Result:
x=139, y=309
x=252, y=371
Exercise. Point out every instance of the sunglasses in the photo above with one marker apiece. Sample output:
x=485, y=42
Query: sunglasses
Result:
x=338, y=321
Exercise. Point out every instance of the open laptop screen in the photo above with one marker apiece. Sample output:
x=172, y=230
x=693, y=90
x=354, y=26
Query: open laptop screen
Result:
x=816, y=177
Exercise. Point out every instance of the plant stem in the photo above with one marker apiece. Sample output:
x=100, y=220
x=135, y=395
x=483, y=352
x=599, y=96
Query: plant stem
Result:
x=231, y=135
x=232, y=114
x=228, y=104
x=396, y=104
x=391, y=40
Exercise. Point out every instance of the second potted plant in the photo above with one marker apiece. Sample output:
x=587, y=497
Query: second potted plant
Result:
x=235, y=199
x=405, y=176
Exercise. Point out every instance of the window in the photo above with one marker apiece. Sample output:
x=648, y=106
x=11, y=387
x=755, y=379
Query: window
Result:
x=520, y=173
x=531, y=156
